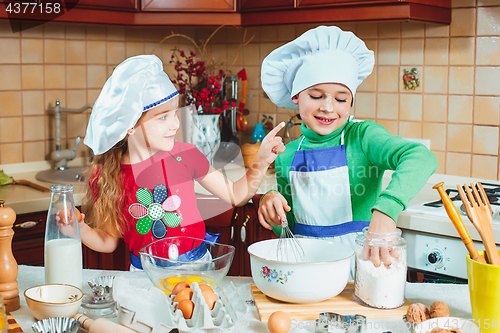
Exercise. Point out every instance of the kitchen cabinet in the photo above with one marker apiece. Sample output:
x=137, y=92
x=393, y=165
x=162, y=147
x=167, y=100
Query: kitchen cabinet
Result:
x=190, y=5
x=247, y=231
x=29, y=239
x=238, y=226
x=243, y=13
x=346, y=11
x=118, y=5
x=247, y=5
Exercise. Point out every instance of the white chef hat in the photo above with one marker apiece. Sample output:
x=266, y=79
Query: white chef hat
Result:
x=320, y=55
x=137, y=85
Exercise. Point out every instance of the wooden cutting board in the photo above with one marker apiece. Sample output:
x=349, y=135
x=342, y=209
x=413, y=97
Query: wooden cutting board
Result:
x=342, y=304
x=13, y=325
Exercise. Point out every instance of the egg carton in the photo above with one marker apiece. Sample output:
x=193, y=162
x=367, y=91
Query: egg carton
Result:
x=151, y=311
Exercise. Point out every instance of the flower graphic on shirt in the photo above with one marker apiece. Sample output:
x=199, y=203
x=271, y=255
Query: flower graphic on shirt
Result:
x=155, y=211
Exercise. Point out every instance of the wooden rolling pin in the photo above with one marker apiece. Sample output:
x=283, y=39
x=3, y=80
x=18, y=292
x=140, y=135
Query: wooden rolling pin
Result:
x=101, y=325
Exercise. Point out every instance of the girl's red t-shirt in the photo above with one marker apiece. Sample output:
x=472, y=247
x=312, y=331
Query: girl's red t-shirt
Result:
x=176, y=169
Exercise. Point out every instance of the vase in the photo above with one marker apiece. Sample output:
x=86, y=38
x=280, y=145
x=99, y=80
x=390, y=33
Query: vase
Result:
x=258, y=133
x=205, y=134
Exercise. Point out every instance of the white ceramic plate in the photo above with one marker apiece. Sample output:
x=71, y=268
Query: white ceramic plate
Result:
x=463, y=325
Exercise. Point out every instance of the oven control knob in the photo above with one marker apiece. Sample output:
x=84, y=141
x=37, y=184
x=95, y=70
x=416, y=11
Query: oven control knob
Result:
x=435, y=257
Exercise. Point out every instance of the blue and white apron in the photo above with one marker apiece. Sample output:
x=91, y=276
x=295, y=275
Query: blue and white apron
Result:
x=321, y=196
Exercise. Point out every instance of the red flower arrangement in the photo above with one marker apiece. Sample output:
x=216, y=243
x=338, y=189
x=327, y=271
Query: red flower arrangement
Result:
x=197, y=86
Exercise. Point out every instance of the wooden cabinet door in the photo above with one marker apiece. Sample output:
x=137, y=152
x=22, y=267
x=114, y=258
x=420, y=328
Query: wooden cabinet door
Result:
x=29, y=238
x=190, y=5
x=116, y=261
x=248, y=231
x=119, y=5
x=437, y=3
x=266, y=4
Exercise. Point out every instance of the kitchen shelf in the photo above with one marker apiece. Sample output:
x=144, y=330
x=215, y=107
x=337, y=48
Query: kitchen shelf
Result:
x=243, y=13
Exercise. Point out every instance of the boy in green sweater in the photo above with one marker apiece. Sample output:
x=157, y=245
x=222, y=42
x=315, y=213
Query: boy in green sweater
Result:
x=330, y=179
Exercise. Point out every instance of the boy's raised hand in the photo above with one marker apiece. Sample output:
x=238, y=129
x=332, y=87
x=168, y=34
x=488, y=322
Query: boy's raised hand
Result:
x=271, y=146
x=272, y=209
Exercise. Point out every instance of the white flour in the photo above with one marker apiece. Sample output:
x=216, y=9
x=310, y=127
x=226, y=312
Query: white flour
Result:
x=381, y=287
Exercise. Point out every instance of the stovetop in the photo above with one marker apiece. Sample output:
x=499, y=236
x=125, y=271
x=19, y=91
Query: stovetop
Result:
x=430, y=247
x=436, y=208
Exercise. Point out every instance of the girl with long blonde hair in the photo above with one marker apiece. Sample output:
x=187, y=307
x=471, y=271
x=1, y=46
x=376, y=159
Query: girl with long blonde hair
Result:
x=141, y=186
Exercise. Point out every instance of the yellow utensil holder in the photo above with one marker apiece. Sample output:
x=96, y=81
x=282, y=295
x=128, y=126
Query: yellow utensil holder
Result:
x=484, y=288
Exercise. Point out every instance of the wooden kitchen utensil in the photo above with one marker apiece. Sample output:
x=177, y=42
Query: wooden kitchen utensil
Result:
x=479, y=212
x=30, y=184
x=454, y=216
x=8, y=264
x=101, y=325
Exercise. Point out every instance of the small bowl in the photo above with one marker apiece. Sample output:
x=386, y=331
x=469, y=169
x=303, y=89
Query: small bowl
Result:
x=53, y=300
x=56, y=324
x=324, y=274
x=173, y=259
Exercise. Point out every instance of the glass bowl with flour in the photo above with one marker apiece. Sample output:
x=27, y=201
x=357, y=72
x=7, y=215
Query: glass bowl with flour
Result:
x=381, y=286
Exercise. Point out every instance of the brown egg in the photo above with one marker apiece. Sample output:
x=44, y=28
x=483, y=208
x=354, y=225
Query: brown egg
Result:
x=210, y=298
x=186, y=293
x=180, y=286
x=186, y=306
x=278, y=322
x=204, y=287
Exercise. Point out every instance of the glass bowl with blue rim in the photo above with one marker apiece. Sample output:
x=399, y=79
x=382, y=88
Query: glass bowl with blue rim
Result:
x=171, y=260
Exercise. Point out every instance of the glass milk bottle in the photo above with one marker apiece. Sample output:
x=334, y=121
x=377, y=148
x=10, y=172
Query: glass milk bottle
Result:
x=63, y=246
x=380, y=286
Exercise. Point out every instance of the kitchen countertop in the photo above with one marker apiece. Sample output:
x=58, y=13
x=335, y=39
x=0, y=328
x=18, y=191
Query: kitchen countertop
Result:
x=27, y=200
x=456, y=296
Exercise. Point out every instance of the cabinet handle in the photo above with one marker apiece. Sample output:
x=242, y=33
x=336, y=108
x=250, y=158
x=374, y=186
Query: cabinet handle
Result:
x=243, y=231
x=27, y=224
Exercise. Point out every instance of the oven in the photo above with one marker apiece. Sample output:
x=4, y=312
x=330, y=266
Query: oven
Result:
x=435, y=251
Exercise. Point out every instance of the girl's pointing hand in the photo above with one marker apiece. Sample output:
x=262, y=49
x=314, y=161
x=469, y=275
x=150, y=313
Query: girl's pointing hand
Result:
x=271, y=146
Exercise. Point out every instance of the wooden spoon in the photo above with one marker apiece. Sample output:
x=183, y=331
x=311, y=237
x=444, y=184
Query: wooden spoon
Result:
x=454, y=216
x=479, y=212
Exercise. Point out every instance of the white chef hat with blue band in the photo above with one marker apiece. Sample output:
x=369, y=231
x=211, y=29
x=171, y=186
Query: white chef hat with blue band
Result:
x=137, y=85
x=320, y=55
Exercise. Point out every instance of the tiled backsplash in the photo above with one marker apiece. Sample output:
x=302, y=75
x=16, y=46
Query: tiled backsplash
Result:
x=457, y=105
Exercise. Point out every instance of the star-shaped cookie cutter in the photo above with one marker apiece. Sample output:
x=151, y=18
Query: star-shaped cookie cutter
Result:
x=348, y=323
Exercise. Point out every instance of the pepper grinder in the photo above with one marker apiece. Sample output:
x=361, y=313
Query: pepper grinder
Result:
x=8, y=264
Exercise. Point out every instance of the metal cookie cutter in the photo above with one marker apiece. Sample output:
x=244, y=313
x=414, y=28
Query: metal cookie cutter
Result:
x=334, y=322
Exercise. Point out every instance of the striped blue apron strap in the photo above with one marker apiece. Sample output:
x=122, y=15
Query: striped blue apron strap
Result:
x=329, y=230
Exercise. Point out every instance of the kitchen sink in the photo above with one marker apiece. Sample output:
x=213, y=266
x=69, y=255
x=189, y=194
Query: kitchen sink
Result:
x=76, y=175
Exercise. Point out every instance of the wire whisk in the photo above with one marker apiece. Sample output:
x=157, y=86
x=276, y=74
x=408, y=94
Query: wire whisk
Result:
x=289, y=248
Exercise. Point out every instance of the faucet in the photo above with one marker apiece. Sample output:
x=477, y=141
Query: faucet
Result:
x=62, y=156
x=289, y=125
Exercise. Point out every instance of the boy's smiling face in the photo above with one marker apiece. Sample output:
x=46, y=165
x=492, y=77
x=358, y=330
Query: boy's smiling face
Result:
x=324, y=107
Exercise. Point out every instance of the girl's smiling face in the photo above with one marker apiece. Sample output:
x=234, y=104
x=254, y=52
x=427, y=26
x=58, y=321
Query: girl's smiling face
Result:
x=324, y=107
x=159, y=125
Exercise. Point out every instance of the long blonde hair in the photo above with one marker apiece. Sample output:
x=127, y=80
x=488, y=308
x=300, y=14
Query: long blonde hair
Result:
x=103, y=205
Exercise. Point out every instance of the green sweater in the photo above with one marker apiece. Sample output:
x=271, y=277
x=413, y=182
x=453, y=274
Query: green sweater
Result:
x=370, y=150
